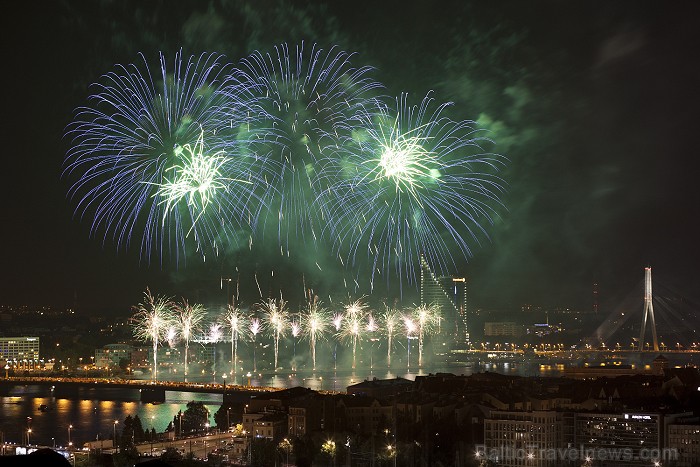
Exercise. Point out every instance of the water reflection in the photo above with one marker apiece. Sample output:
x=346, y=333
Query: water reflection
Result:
x=93, y=419
x=90, y=419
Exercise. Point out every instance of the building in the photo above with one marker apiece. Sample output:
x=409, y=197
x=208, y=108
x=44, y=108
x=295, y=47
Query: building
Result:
x=629, y=438
x=20, y=350
x=503, y=329
x=306, y=416
x=683, y=440
x=449, y=294
x=112, y=354
x=381, y=388
x=515, y=438
x=271, y=426
x=366, y=415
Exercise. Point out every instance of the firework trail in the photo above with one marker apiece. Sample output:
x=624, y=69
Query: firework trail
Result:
x=337, y=323
x=306, y=99
x=255, y=327
x=427, y=317
x=276, y=317
x=235, y=321
x=213, y=337
x=295, y=326
x=353, y=318
x=413, y=181
x=391, y=320
x=314, y=322
x=410, y=328
x=139, y=166
x=188, y=322
x=372, y=326
x=171, y=336
x=151, y=321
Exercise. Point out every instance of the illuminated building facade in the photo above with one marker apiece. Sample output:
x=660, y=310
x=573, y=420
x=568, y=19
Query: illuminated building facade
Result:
x=684, y=438
x=111, y=354
x=515, y=438
x=630, y=436
x=19, y=349
x=450, y=295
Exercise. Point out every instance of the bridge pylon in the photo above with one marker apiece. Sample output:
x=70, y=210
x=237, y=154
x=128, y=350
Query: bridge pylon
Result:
x=648, y=312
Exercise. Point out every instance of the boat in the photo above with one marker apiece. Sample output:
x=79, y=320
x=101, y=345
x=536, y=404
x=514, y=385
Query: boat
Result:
x=44, y=408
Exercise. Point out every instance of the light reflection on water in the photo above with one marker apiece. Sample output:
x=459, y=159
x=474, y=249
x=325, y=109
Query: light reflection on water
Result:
x=93, y=419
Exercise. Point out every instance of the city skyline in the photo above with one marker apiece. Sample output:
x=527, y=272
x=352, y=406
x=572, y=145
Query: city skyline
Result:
x=595, y=120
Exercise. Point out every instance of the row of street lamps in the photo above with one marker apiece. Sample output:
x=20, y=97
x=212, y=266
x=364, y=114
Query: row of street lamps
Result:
x=29, y=433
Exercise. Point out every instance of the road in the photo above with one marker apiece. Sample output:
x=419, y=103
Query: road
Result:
x=200, y=446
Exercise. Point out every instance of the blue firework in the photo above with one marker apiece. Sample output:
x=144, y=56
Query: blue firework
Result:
x=305, y=100
x=413, y=182
x=154, y=162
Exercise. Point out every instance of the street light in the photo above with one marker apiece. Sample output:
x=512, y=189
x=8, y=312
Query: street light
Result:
x=115, y=435
x=286, y=445
x=70, y=443
x=29, y=432
x=152, y=430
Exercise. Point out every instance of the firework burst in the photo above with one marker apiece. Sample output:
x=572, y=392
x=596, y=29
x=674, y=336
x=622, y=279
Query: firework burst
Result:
x=152, y=320
x=138, y=166
x=306, y=98
x=296, y=329
x=352, y=328
x=410, y=328
x=372, y=327
x=391, y=320
x=189, y=320
x=276, y=317
x=214, y=336
x=235, y=320
x=315, y=321
x=427, y=318
x=412, y=182
x=255, y=328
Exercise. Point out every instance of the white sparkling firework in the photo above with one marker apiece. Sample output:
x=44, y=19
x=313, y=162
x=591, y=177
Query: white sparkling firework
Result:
x=296, y=332
x=276, y=316
x=314, y=324
x=427, y=318
x=213, y=337
x=235, y=321
x=391, y=320
x=151, y=321
x=255, y=327
x=352, y=328
x=410, y=327
x=189, y=320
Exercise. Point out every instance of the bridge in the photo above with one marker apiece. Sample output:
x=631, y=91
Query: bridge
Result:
x=148, y=391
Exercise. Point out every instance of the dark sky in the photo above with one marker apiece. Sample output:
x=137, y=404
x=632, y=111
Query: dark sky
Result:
x=595, y=104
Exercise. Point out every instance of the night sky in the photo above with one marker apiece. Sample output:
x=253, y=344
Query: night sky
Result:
x=594, y=103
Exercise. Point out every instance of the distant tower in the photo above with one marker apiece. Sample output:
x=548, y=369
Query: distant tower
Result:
x=450, y=295
x=595, y=297
x=648, y=311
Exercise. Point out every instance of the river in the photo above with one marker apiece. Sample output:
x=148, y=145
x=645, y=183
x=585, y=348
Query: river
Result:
x=93, y=419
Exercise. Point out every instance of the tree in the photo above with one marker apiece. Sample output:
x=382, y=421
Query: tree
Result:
x=304, y=450
x=263, y=451
x=222, y=417
x=171, y=456
x=139, y=434
x=194, y=418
